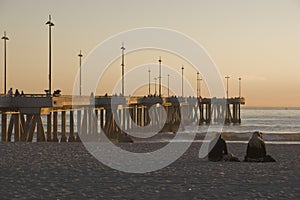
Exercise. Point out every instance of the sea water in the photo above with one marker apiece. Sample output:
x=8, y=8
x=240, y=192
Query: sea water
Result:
x=275, y=123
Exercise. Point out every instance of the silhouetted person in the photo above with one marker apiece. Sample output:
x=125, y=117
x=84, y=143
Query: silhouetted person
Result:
x=22, y=93
x=220, y=153
x=17, y=93
x=256, y=149
x=10, y=92
x=56, y=93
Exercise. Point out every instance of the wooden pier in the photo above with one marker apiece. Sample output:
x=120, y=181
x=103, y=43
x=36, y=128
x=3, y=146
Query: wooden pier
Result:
x=44, y=118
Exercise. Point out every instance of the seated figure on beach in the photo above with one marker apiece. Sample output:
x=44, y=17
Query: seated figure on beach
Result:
x=256, y=149
x=220, y=153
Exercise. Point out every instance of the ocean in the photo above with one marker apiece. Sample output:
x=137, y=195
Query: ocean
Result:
x=276, y=124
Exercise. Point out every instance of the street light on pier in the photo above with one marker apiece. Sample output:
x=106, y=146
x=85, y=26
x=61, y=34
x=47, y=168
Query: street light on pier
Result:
x=123, y=64
x=240, y=87
x=149, y=92
x=168, y=85
x=155, y=85
x=80, y=56
x=198, y=85
x=182, y=68
x=4, y=38
x=159, y=77
x=227, y=77
x=50, y=24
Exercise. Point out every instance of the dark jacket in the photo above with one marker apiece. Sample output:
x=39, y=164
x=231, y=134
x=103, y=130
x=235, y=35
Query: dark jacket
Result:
x=218, y=150
x=256, y=151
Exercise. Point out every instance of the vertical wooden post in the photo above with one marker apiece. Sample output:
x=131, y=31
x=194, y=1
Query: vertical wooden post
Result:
x=10, y=127
x=78, y=125
x=101, y=119
x=84, y=122
x=26, y=126
x=31, y=127
x=17, y=127
x=71, y=136
x=63, y=126
x=55, y=137
x=49, y=127
x=239, y=112
x=3, y=127
x=40, y=129
x=96, y=119
x=22, y=127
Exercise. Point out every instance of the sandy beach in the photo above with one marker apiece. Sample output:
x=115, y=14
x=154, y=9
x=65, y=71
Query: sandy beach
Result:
x=67, y=170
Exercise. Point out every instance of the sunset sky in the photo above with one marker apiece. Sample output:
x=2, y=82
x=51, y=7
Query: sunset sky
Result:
x=256, y=40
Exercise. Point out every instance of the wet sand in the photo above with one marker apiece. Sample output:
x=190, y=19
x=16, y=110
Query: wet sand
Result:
x=67, y=170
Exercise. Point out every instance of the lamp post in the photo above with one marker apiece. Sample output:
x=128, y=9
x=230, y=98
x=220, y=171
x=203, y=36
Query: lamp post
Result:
x=227, y=77
x=198, y=85
x=155, y=85
x=80, y=56
x=240, y=87
x=149, y=92
x=159, y=77
x=168, y=85
x=182, y=68
x=123, y=64
x=50, y=24
x=4, y=38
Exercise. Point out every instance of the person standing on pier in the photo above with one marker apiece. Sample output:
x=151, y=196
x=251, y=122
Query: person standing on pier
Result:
x=10, y=92
x=17, y=93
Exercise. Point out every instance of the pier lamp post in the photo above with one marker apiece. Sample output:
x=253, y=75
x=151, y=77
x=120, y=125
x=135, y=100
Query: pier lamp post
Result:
x=198, y=79
x=155, y=85
x=149, y=87
x=182, y=68
x=240, y=87
x=80, y=56
x=4, y=38
x=227, y=77
x=159, y=77
x=123, y=64
x=50, y=24
x=198, y=85
x=168, y=85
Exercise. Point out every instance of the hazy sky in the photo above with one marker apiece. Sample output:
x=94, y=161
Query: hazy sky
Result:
x=257, y=40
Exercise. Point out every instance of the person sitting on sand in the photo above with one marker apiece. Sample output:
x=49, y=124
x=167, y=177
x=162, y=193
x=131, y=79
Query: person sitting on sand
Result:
x=256, y=149
x=220, y=153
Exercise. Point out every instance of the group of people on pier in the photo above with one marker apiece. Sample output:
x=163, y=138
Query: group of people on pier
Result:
x=256, y=150
x=17, y=93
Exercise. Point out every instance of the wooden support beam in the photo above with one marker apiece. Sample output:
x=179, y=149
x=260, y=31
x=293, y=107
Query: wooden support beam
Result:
x=49, y=127
x=71, y=136
x=40, y=129
x=17, y=124
x=63, y=126
x=31, y=129
x=79, y=130
x=55, y=124
x=3, y=127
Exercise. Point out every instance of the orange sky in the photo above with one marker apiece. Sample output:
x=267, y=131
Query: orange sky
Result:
x=256, y=40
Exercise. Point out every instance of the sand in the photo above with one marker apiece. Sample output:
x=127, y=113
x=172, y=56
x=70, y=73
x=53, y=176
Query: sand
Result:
x=67, y=170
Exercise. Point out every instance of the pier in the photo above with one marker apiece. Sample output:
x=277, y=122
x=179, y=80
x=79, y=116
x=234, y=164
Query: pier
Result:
x=47, y=118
